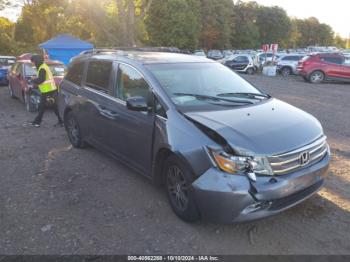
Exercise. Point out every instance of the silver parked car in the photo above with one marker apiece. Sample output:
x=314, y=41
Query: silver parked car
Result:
x=223, y=150
x=287, y=64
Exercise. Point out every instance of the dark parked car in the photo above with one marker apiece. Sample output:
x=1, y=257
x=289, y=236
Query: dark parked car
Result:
x=316, y=68
x=20, y=85
x=215, y=54
x=223, y=150
x=5, y=64
x=199, y=53
x=241, y=63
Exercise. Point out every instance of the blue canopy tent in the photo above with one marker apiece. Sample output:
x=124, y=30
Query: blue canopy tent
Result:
x=64, y=47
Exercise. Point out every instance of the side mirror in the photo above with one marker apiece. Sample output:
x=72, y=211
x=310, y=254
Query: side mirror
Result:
x=137, y=103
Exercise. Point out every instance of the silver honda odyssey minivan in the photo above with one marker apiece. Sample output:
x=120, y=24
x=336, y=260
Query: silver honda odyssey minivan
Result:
x=223, y=150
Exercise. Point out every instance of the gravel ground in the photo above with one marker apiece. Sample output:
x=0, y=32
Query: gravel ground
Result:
x=58, y=200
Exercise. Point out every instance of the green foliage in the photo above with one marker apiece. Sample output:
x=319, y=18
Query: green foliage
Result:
x=188, y=24
x=340, y=42
x=312, y=32
x=7, y=45
x=216, y=24
x=173, y=23
x=274, y=25
x=246, y=29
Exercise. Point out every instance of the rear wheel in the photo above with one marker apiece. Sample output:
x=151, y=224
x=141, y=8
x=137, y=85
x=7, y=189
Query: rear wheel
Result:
x=250, y=71
x=286, y=71
x=11, y=91
x=30, y=106
x=178, y=180
x=316, y=77
x=73, y=130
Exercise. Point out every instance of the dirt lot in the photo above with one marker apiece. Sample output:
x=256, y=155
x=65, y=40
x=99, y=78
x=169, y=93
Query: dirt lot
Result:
x=58, y=200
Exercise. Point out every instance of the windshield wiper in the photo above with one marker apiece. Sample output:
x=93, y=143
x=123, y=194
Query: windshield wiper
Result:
x=214, y=98
x=249, y=95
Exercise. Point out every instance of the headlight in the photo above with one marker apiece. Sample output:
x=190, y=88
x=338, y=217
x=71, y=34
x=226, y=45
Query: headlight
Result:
x=238, y=164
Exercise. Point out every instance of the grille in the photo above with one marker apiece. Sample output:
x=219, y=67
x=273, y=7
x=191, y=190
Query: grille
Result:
x=289, y=200
x=292, y=161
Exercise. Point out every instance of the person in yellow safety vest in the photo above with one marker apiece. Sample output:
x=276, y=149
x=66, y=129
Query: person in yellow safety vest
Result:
x=47, y=87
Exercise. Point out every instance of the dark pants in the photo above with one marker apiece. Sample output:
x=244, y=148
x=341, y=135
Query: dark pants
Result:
x=43, y=106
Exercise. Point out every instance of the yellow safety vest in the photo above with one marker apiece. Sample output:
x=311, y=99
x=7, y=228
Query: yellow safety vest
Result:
x=49, y=84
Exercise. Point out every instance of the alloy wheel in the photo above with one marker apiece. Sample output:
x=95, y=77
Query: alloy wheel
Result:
x=177, y=188
x=286, y=71
x=73, y=130
x=317, y=77
x=250, y=71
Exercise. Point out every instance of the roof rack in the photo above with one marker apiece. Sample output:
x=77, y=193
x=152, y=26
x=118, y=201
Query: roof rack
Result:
x=98, y=51
x=120, y=50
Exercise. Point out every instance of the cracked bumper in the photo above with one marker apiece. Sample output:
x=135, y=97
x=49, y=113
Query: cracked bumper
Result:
x=226, y=198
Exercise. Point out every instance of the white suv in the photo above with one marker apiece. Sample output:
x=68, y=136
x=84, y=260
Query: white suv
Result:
x=287, y=64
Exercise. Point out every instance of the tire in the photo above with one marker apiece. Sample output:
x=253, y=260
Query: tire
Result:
x=316, y=77
x=73, y=130
x=250, y=71
x=30, y=107
x=11, y=91
x=177, y=182
x=286, y=71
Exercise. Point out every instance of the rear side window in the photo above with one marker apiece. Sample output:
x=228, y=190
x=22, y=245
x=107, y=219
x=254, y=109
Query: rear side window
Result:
x=98, y=75
x=291, y=58
x=333, y=60
x=75, y=73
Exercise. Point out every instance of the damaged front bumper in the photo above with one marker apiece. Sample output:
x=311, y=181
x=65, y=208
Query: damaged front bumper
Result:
x=226, y=198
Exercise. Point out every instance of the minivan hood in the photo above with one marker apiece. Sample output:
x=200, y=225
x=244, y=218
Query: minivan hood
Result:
x=268, y=128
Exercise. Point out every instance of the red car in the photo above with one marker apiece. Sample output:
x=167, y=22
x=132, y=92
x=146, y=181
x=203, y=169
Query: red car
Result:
x=20, y=76
x=317, y=68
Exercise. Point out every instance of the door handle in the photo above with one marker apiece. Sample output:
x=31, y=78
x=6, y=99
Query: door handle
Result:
x=107, y=113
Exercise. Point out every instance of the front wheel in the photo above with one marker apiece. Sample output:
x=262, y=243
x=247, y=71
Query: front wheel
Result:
x=73, y=130
x=178, y=180
x=250, y=71
x=316, y=77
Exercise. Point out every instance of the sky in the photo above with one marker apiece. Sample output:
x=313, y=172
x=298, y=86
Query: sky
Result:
x=336, y=13
x=333, y=12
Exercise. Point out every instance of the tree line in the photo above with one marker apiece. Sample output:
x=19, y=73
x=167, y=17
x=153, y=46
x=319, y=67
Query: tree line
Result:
x=186, y=24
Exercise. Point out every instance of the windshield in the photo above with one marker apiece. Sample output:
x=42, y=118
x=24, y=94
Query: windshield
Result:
x=198, y=84
x=57, y=70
